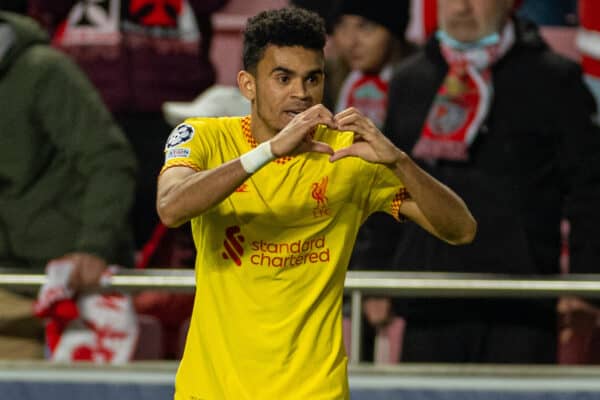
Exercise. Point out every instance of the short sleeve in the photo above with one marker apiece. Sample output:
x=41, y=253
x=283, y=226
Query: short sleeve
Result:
x=386, y=192
x=186, y=146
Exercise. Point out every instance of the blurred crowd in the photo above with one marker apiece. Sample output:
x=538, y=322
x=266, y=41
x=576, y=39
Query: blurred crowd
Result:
x=498, y=99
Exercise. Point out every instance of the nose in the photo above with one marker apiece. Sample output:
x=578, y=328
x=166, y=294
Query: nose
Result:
x=299, y=89
x=459, y=6
x=352, y=38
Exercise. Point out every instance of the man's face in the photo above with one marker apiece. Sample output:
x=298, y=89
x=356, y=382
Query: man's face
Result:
x=470, y=20
x=364, y=44
x=287, y=81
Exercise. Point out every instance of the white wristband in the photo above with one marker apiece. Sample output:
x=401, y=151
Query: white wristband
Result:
x=256, y=158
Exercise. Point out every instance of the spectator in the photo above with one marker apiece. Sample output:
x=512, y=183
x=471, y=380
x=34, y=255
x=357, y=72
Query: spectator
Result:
x=370, y=41
x=136, y=52
x=580, y=320
x=490, y=110
x=67, y=171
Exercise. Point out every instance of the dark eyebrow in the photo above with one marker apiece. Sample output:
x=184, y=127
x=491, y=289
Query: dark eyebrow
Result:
x=317, y=71
x=282, y=69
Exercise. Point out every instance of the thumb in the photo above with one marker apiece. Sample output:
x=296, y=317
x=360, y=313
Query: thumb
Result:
x=342, y=153
x=319, y=147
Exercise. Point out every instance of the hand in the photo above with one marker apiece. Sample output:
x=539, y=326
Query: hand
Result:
x=88, y=269
x=296, y=138
x=576, y=314
x=369, y=143
x=377, y=310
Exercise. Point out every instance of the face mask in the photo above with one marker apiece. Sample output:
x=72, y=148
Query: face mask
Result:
x=485, y=41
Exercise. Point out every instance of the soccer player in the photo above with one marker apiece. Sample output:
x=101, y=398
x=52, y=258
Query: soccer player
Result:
x=275, y=201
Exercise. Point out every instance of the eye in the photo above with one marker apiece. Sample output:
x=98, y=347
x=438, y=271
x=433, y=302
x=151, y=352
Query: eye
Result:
x=367, y=26
x=341, y=28
x=313, y=79
x=283, y=79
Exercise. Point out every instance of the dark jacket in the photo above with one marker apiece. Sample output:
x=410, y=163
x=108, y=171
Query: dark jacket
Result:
x=66, y=170
x=535, y=160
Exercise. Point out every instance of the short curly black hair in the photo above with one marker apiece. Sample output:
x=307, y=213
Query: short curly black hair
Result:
x=290, y=26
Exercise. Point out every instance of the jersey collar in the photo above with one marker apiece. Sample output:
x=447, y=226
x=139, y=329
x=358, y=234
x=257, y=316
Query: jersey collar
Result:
x=247, y=131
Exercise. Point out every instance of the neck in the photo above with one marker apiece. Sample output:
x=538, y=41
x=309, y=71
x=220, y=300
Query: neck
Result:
x=261, y=131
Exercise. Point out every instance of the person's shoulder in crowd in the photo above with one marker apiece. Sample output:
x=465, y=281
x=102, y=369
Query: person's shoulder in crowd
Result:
x=412, y=64
x=534, y=49
x=537, y=66
x=31, y=48
x=531, y=48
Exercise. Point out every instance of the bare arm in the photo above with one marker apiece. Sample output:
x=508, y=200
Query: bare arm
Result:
x=434, y=206
x=184, y=193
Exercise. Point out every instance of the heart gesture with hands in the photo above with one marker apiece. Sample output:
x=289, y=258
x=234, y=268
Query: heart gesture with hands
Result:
x=369, y=143
x=296, y=137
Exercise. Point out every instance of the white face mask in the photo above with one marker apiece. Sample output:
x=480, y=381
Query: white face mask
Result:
x=7, y=37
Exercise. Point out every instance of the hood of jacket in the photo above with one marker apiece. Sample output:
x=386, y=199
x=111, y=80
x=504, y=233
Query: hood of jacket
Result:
x=17, y=33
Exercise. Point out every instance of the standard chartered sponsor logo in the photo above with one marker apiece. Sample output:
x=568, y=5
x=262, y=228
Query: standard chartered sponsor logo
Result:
x=289, y=254
x=234, y=249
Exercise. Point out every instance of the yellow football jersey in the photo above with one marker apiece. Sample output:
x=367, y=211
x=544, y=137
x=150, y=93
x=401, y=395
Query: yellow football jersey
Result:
x=270, y=268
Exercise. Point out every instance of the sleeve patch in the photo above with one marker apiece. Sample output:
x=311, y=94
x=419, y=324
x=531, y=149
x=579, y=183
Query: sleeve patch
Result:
x=177, y=153
x=183, y=133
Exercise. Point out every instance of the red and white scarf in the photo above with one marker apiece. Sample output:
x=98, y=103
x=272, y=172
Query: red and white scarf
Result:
x=94, y=327
x=588, y=43
x=368, y=93
x=463, y=101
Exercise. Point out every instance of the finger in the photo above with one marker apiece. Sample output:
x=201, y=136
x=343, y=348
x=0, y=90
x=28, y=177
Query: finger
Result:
x=327, y=121
x=85, y=274
x=97, y=274
x=347, y=112
x=319, y=147
x=319, y=111
x=324, y=111
x=342, y=120
x=353, y=124
x=343, y=153
x=318, y=107
x=314, y=118
x=75, y=278
x=357, y=131
x=91, y=270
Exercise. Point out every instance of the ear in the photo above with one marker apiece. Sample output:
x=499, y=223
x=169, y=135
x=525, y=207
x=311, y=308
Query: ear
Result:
x=247, y=85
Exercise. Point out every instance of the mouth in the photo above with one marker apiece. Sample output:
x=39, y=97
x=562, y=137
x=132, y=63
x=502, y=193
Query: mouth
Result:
x=293, y=113
x=355, y=56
